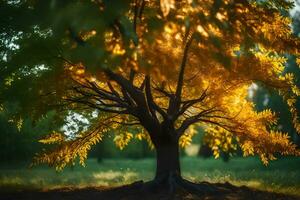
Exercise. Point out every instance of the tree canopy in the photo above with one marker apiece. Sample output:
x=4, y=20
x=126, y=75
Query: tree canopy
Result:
x=151, y=70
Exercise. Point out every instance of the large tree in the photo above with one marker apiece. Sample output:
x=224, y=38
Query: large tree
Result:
x=150, y=70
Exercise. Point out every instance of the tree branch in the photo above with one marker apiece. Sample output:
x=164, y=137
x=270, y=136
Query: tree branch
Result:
x=95, y=106
x=174, y=102
x=131, y=75
x=189, y=103
x=143, y=113
x=194, y=119
x=151, y=104
x=127, y=86
x=112, y=89
x=182, y=67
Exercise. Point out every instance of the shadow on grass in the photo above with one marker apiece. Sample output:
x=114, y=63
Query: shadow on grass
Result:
x=135, y=191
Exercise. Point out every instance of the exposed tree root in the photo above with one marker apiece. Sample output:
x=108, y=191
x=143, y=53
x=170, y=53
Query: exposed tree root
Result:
x=173, y=183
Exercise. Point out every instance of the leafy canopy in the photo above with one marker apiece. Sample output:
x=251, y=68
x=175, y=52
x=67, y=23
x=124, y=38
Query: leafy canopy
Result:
x=145, y=64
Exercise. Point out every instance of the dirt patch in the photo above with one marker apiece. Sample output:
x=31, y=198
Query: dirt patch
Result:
x=135, y=191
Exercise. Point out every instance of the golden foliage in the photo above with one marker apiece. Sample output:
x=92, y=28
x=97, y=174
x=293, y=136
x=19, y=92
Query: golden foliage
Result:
x=53, y=138
x=68, y=150
x=219, y=140
x=20, y=124
x=298, y=61
x=145, y=136
x=187, y=137
x=218, y=63
x=166, y=6
x=234, y=46
x=121, y=140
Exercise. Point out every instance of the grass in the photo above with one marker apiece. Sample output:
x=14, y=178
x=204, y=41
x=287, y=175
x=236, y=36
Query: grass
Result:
x=282, y=176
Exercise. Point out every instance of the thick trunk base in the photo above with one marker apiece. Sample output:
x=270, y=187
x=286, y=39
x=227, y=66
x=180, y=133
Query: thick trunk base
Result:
x=167, y=162
x=174, y=184
x=168, y=174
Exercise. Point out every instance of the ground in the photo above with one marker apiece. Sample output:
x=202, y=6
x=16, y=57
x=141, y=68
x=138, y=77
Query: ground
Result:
x=134, y=192
x=240, y=179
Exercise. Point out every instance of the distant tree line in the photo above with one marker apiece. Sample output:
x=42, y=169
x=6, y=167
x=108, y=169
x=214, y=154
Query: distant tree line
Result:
x=21, y=142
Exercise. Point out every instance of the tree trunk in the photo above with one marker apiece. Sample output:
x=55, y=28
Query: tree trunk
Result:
x=168, y=173
x=167, y=163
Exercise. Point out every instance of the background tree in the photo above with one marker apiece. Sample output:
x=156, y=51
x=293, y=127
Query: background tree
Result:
x=152, y=70
x=20, y=142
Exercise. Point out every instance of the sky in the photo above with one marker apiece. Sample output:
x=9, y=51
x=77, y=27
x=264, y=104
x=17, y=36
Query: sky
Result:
x=297, y=7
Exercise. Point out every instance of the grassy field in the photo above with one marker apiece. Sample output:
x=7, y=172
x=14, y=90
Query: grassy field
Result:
x=282, y=176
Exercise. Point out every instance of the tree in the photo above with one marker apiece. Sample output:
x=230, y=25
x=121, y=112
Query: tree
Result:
x=21, y=143
x=156, y=68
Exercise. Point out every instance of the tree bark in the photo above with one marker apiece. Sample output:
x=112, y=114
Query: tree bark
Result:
x=167, y=161
x=168, y=174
